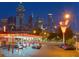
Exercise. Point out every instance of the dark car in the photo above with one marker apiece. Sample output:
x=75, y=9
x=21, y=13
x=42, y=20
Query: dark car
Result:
x=16, y=46
x=67, y=47
x=36, y=46
x=61, y=45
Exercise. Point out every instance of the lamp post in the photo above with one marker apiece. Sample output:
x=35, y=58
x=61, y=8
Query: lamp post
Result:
x=64, y=26
x=63, y=29
x=67, y=16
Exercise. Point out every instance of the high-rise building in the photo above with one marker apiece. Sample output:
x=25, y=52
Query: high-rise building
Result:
x=0, y=26
x=50, y=23
x=39, y=23
x=4, y=23
x=20, y=15
x=12, y=23
x=30, y=22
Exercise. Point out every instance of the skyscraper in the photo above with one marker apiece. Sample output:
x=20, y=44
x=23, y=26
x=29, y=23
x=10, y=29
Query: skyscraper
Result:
x=12, y=23
x=4, y=23
x=20, y=15
x=30, y=22
x=50, y=23
x=39, y=23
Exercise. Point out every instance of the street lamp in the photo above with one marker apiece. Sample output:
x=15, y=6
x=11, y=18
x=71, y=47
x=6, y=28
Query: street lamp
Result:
x=63, y=29
x=67, y=16
x=64, y=24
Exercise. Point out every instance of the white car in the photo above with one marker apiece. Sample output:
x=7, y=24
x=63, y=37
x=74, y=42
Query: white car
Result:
x=20, y=46
x=24, y=45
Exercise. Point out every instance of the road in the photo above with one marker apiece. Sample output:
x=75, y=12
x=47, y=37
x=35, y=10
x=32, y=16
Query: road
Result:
x=54, y=51
x=49, y=50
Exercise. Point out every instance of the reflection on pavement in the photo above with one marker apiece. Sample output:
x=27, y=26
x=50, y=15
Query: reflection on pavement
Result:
x=25, y=52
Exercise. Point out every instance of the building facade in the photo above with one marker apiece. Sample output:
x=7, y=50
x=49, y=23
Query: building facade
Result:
x=12, y=23
x=20, y=15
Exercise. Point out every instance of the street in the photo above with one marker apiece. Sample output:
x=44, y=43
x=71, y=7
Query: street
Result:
x=48, y=50
x=52, y=50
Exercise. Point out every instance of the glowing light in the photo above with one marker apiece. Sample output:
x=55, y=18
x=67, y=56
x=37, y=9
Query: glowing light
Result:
x=66, y=22
x=4, y=28
x=34, y=31
x=63, y=28
x=49, y=14
x=44, y=33
x=55, y=27
x=60, y=23
x=67, y=16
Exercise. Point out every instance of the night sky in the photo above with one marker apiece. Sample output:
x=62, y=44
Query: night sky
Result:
x=41, y=9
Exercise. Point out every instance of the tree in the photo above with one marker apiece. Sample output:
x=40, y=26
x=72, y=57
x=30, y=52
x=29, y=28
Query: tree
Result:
x=68, y=33
x=38, y=31
x=70, y=42
x=51, y=36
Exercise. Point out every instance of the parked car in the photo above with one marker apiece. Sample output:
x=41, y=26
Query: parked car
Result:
x=16, y=46
x=67, y=47
x=19, y=46
x=36, y=46
x=24, y=45
x=61, y=45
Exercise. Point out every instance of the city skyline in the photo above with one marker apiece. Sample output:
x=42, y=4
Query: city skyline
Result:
x=42, y=10
x=39, y=29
